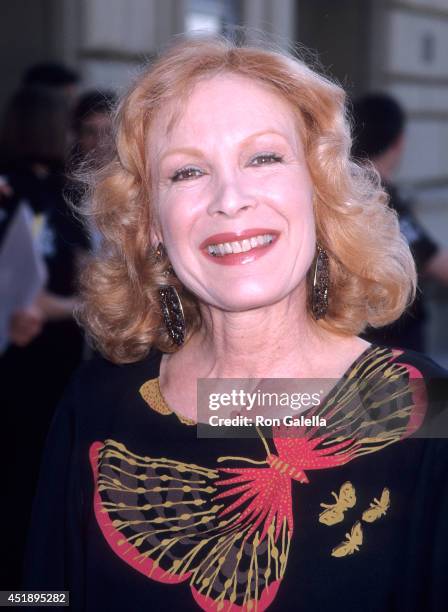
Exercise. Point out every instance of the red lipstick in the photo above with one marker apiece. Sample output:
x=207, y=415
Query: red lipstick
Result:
x=243, y=257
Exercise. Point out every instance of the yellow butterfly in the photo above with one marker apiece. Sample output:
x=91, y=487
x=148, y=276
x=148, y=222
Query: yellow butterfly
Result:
x=352, y=543
x=377, y=508
x=334, y=513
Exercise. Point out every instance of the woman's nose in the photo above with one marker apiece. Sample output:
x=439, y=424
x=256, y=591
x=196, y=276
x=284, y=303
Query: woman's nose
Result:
x=231, y=198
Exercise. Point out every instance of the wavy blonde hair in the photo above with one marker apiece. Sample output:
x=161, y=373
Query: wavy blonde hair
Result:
x=372, y=272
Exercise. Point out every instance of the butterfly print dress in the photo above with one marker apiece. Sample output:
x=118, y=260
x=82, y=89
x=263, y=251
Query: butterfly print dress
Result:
x=134, y=512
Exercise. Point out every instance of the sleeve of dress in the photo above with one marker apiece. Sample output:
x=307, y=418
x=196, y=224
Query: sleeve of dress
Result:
x=53, y=559
x=439, y=586
x=425, y=583
x=425, y=571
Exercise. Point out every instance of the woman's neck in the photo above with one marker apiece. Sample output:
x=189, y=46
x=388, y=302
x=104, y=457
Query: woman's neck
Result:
x=250, y=344
x=273, y=341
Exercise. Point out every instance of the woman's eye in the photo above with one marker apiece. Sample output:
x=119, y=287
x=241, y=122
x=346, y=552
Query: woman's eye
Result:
x=184, y=174
x=266, y=158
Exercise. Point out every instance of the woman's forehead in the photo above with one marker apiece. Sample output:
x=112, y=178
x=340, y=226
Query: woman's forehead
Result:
x=221, y=102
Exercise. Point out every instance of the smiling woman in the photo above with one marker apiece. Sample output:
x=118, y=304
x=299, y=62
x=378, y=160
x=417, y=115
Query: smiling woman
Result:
x=214, y=125
x=240, y=241
x=242, y=185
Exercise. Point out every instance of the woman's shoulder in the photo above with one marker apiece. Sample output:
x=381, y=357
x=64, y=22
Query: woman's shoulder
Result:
x=420, y=363
x=403, y=384
x=433, y=391
x=98, y=380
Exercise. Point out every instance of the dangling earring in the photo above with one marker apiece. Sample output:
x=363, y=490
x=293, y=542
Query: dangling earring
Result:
x=321, y=282
x=170, y=304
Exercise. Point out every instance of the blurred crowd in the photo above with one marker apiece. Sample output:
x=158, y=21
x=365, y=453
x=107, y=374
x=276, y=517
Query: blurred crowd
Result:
x=48, y=131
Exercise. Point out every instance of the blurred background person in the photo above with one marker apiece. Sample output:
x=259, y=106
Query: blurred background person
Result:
x=379, y=125
x=53, y=75
x=46, y=344
x=57, y=77
x=34, y=129
x=92, y=124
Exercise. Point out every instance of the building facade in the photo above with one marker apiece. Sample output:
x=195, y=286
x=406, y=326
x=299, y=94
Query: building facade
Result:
x=398, y=46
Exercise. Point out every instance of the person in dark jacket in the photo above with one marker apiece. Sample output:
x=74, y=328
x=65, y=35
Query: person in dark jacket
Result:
x=45, y=342
x=380, y=137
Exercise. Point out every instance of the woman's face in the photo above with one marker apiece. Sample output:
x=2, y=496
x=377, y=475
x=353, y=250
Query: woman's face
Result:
x=233, y=195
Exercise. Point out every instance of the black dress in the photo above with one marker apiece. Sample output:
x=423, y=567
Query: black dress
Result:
x=134, y=512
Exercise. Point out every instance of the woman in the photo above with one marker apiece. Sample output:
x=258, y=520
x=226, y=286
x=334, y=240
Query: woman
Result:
x=239, y=241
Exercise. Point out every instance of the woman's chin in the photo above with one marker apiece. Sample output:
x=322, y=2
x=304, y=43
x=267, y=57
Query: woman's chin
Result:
x=243, y=301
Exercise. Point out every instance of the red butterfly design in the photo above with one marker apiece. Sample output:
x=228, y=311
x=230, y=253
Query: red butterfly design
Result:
x=228, y=530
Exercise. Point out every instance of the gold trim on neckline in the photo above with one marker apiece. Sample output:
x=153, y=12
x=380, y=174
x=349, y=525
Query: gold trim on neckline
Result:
x=150, y=392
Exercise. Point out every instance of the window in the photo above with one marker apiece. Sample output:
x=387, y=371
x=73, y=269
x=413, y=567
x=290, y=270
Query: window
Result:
x=216, y=16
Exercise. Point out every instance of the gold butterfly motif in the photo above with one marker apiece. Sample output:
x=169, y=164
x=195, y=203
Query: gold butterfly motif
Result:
x=334, y=513
x=378, y=507
x=351, y=544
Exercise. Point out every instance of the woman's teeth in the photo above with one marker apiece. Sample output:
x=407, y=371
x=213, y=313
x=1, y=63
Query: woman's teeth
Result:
x=240, y=246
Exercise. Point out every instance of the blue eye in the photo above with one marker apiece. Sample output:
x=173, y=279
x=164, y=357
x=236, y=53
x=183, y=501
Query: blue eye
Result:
x=185, y=174
x=266, y=158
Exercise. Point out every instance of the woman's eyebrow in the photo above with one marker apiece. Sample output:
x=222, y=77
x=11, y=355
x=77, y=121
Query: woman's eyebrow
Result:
x=269, y=132
x=182, y=150
x=193, y=151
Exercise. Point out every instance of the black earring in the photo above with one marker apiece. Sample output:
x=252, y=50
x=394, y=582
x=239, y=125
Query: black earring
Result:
x=171, y=305
x=321, y=282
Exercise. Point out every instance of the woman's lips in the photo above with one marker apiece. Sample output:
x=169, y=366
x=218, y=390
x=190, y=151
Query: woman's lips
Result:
x=239, y=248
